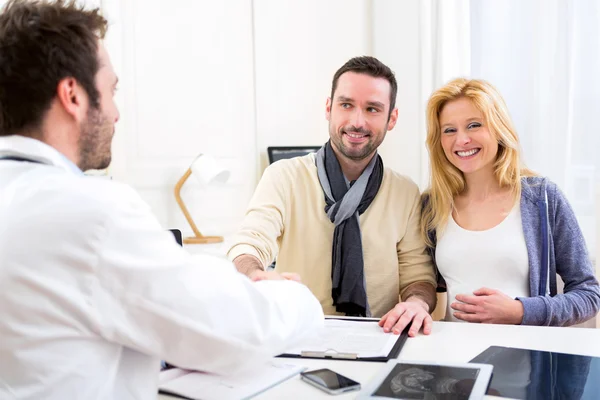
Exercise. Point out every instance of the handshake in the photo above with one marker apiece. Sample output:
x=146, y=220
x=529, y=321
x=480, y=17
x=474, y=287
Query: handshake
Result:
x=251, y=267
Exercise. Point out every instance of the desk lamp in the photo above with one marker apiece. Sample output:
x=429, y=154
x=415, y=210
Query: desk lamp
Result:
x=206, y=170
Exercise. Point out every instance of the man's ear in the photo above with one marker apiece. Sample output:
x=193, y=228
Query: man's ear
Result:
x=72, y=98
x=328, y=108
x=393, y=119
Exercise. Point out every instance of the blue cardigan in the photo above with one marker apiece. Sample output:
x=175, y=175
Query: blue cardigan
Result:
x=555, y=244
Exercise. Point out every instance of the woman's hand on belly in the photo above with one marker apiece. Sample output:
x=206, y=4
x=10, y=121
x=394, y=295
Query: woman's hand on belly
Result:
x=488, y=306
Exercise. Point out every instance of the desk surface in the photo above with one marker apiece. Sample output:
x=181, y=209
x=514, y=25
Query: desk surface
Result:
x=449, y=342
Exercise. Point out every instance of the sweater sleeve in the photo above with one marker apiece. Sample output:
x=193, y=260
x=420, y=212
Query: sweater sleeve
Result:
x=581, y=298
x=414, y=261
x=263, y=223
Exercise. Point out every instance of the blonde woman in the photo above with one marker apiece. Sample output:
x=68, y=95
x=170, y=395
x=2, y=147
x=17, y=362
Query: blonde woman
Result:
x=497, y=233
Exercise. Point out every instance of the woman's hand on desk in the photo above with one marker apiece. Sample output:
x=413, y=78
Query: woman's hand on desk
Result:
x=413, y=309
x=488, y=306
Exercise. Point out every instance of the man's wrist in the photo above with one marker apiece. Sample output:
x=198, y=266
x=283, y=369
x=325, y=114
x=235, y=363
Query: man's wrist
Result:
x=424, y=291
x=418, y=300
x=247, y=264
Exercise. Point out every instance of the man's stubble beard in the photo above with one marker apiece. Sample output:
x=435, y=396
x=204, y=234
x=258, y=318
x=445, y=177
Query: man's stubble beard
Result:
x=368, y=150
x=95, y=141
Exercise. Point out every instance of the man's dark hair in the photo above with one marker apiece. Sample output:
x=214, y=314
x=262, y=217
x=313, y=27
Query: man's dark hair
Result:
x=372, y=67
x=42, y=43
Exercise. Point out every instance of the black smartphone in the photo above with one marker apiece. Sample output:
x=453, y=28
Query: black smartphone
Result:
x=329, y=381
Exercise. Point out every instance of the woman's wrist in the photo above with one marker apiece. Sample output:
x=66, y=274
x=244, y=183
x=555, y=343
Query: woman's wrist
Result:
x=518, y=312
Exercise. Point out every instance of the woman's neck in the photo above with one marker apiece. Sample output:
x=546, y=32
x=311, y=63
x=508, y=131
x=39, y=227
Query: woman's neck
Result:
x=482, y=185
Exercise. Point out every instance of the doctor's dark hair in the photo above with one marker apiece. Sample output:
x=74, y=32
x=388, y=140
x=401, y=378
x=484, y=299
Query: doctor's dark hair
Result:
x=369, y=66
x=41, y=43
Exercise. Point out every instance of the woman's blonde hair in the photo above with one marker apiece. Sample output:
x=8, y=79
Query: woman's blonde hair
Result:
x=446, y=180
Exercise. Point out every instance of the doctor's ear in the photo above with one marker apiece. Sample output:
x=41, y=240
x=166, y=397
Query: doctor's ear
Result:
x=73, y=98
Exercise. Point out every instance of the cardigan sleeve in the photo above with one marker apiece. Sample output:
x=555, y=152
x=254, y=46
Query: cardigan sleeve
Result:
x=581, y=298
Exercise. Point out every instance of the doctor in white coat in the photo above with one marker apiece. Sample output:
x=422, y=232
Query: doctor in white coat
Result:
x=93, y=291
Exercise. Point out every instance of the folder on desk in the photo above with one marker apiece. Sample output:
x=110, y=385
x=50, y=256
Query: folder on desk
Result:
x=358, y=339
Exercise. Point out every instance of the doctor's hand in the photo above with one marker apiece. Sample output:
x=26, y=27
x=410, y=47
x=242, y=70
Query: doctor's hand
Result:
x=488, y=306
x=261, y=275
x=413, y=309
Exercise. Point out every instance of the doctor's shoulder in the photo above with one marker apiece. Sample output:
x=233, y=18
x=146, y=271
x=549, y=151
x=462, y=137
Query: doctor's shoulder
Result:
x=98, y=196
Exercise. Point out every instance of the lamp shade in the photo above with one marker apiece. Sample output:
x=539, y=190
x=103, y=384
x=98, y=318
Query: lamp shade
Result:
x=206, y=169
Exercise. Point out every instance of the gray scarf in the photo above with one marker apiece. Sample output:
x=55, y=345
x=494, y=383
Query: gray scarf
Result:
x=345, y=201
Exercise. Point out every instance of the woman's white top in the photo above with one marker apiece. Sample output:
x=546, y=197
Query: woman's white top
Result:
x=495, y=258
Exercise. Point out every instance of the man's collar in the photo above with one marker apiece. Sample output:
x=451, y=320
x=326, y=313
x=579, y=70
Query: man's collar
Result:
x=36, y=150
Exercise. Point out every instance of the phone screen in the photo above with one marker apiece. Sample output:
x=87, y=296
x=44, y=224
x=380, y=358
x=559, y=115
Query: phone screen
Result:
x=329, y=379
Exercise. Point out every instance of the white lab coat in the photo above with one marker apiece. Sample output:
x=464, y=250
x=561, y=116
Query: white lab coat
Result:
x=94, y=292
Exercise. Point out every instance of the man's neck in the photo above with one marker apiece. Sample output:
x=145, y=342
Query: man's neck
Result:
x=59, y=140
x=352, y=169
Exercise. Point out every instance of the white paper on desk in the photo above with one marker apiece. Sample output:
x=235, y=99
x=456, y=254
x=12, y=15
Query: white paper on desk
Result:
x=170, y=374
x=365, y=339
x=203, y=386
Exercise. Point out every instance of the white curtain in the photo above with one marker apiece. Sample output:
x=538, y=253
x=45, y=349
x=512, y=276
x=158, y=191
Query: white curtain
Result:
x=544, y=57
x=445, y=36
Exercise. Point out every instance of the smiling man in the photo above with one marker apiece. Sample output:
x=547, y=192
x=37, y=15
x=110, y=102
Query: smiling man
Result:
x=347, y=225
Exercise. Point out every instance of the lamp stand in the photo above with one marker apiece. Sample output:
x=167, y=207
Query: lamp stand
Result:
x=198, y=238
x=203, y=239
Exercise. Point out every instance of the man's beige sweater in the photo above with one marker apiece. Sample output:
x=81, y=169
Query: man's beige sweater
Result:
x=286, y=219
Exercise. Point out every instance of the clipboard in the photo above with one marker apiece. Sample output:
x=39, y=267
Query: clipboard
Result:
x=333, y=355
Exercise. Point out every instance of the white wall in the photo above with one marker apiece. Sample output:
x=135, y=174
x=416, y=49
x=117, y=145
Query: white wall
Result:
x=394, y=23
x=186, y=87
x=298, y=46
x=231, y=78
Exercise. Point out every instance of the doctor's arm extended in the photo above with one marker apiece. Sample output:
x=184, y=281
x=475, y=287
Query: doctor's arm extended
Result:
x=195, y=312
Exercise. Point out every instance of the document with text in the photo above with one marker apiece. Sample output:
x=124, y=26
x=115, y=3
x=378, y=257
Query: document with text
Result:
x=364, y=339
x=202, y=386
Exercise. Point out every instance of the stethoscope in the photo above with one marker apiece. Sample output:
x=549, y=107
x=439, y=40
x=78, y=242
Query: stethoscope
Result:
x=22, y=159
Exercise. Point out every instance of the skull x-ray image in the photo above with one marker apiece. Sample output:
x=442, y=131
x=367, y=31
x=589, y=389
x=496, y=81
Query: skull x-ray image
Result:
x=413, y=381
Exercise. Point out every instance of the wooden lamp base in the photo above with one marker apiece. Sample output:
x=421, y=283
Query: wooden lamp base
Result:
x=203, y=239
x=198, y=237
